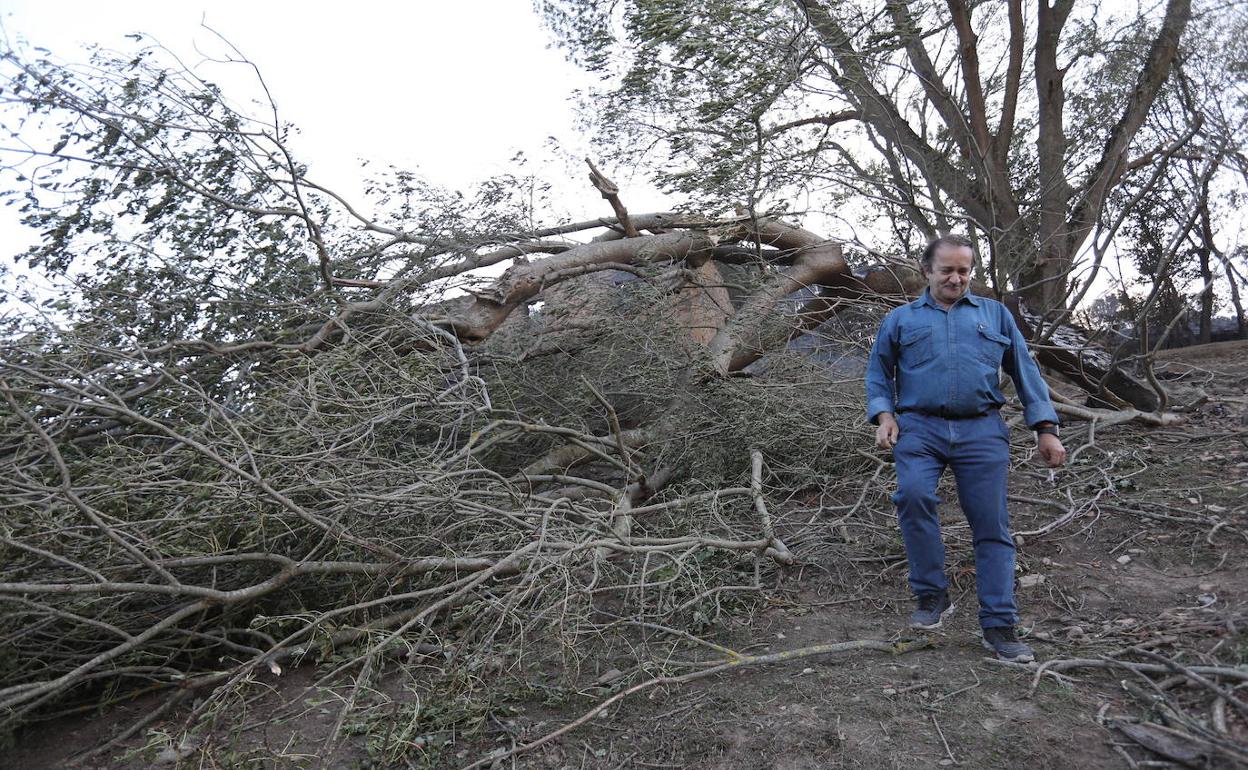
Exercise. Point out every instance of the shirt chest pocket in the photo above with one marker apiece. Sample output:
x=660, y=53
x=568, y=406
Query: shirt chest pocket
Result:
x=916, y=347
x=990, y=345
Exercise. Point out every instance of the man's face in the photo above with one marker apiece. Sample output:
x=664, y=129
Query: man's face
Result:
x=950, y=273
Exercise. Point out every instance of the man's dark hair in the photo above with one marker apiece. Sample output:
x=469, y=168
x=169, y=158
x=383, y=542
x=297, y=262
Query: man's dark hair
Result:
x=955, y=241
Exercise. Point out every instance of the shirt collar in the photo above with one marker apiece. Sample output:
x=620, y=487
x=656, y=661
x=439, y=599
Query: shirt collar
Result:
x=926, y=299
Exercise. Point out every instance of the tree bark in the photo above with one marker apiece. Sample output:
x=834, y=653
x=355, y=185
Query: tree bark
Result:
x=1241, y=324
x=748, y=337
x=1044, y=281
x=486, y=311
x=1204, y=253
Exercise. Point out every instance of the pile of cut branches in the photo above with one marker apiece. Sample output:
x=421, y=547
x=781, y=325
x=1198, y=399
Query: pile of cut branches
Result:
x=375, y=498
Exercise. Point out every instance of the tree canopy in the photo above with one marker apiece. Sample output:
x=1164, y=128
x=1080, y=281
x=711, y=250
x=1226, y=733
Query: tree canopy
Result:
x=1015, y=122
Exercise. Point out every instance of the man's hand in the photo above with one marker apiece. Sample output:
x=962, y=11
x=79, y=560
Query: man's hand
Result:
x=886, y=434
x=1050, y=448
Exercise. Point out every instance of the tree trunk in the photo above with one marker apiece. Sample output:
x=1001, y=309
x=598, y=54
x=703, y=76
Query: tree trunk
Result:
x=1206, y=271
x=760, y=325
x=1206, y=297
x=1241, y=324
x=1070, y=355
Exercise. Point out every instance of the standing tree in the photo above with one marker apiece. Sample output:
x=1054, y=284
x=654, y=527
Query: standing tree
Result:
x=1175, y=217
x=1018, y=122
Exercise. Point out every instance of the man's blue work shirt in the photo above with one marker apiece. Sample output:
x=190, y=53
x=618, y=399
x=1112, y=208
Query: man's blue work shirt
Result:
x=946, y=362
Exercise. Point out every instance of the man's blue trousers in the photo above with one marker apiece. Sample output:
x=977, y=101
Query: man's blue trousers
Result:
x=977, y=449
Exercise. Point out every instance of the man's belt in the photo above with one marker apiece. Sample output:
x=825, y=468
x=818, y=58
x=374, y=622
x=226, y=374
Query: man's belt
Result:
x=945, y=414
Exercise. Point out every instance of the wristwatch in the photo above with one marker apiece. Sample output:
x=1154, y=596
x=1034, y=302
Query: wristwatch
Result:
x=1050, y=429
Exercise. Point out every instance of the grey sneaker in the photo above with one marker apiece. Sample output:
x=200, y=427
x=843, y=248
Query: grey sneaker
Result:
x=931, y=611
x=1005, y=644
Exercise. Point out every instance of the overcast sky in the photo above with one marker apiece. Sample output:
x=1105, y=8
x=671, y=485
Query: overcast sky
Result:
x=451, y=90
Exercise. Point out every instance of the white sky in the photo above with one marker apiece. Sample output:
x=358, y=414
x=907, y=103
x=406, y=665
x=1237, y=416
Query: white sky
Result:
x=451, y=90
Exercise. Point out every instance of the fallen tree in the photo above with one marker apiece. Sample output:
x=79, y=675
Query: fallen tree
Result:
x=259, y=426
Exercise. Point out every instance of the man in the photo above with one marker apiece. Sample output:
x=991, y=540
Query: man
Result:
x=933, y=388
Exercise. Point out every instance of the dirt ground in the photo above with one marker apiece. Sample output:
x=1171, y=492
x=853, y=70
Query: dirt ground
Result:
x=1150, y=555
